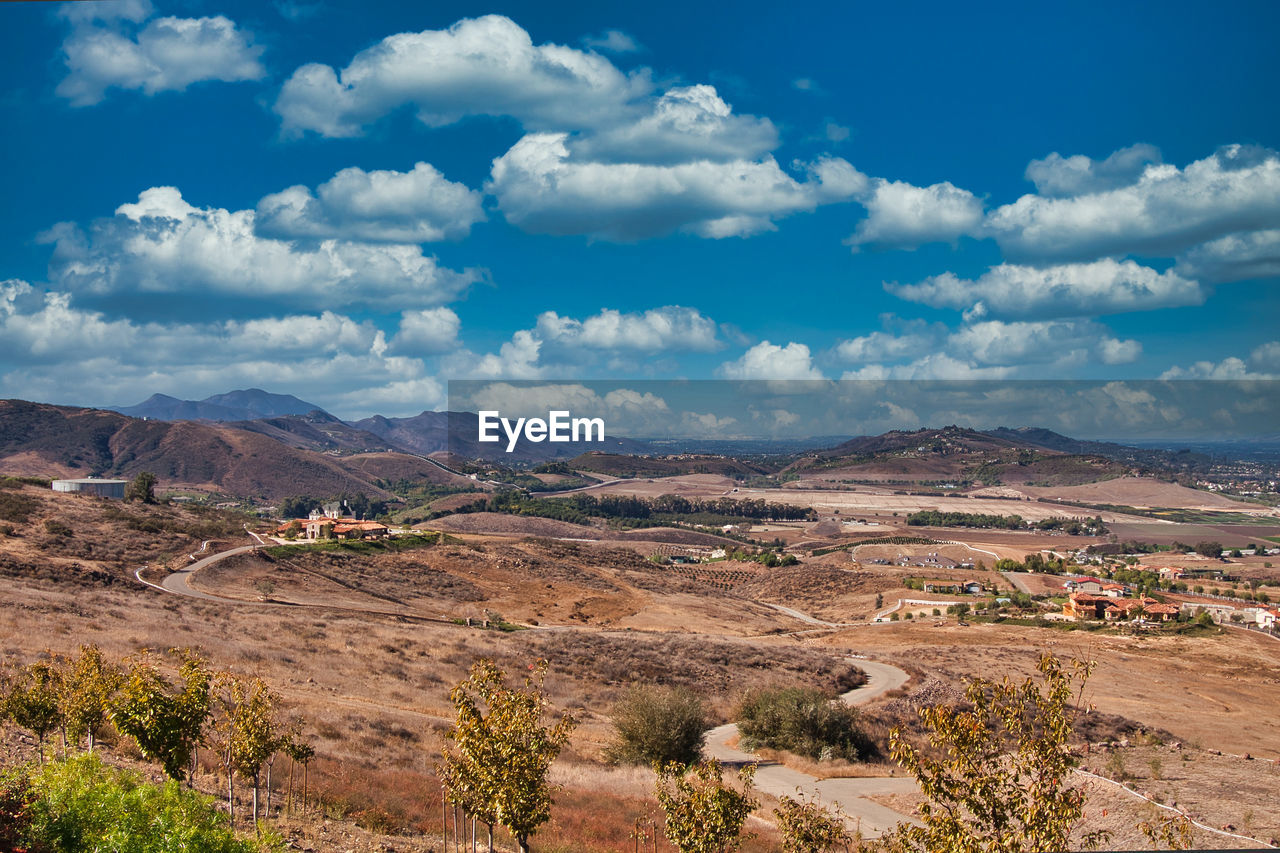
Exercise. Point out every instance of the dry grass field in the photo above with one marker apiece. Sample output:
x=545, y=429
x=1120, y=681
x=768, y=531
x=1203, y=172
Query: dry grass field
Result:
x=361, y=643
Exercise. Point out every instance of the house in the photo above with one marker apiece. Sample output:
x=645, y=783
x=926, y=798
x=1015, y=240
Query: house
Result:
x=1266, y=619
x=1170, y=573
x=347, y=529
x=1085, y=584
x=1115, y=590
x=343, y=528
x=1082, y=606
x=965, y=587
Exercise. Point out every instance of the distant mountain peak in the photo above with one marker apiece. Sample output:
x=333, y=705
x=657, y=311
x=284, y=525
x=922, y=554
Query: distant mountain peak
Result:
x=243, y=405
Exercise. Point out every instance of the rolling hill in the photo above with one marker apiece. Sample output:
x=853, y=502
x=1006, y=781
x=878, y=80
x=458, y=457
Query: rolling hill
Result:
x=61, y=441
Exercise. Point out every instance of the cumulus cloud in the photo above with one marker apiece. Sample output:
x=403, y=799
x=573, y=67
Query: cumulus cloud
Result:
x=432, y=330
x=685, y=123
x=482, y=66
x=559, y=345
x=1235, y=257
x=380, y=206
x=670, y=328
x=917, y=336
x=162, y=244
x=1066, y=290
x=989, y=349
x=770, y=361
x=542, y=190
x=933, y=366
x=1060, y=177
x=1262, y=363
x=1013, y=344
x=1166, y=211
x=900, y=215
x=54, y=350
x=168, y=54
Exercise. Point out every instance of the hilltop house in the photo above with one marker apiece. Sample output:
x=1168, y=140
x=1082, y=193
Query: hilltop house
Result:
x=341, y=528
x=1082, y=606
x=942, y=585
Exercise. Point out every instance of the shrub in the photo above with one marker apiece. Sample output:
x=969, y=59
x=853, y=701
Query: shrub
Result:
x=82, y=804
x=658, y=725
x=57, y=528
x=803, y=721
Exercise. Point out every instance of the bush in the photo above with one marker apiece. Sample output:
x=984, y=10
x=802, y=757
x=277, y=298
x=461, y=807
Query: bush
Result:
x=658, y=725
x=57, y=528
x=803, y=721
x=82, y=804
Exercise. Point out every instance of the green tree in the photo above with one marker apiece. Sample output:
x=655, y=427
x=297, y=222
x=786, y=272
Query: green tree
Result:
x=497, y=769
x=249, y=732
x=81, y=804
x=142, y=488
x=807, y=827
x=995, y=776
x=704, y=815
x=165, y=720
x=31, y=701
x=658, y=726
x=89, y=685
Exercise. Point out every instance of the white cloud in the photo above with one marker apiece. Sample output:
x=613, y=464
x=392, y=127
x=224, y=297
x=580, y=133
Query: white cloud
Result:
x=917, y=337
x=380, y=206
x=1263, y=363
x=53, y=350
x=1166, y=211
x=900, y=215
x=168, y=54
x=1116, y=351
x=1267, y=356
x=482, y=66
x=769, y=361
x=686, y=123
x=612, y=41
x=1059, y=177
x=562, y=346
x=1235, y=257
x=932, y=366
x=990, y=349
x=136, y=11
x=836, y=133
x=431, y=330
x=670, y=328
x=542, y=190
x=1020, y=344
x=1067, y=290
x=1228, y=368
x=162, y=244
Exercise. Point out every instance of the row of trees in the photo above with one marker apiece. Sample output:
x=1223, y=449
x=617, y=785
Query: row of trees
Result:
x=167, y=719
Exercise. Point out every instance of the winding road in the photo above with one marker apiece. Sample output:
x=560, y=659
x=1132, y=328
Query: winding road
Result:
x=850, y=793
x=775, y=779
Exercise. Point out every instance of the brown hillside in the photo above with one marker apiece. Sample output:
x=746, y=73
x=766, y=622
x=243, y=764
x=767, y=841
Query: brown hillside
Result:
x=53, y=441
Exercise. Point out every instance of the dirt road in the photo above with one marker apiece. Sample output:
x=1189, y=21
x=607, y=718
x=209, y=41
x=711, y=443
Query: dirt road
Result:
x=872, y=818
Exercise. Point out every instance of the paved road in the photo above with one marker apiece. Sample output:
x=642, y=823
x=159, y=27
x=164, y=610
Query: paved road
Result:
x=872, y=818
x=180, y=582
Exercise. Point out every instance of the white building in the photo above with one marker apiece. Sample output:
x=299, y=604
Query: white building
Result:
x=92, y=486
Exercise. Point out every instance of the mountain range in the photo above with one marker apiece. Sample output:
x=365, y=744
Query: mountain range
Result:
x=267, y=446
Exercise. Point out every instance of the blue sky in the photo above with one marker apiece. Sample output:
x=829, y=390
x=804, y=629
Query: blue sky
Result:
x=355, y=202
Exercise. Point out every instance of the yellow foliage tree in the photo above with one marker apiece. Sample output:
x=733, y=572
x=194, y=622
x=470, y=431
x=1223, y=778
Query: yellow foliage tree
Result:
x=497, y=768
